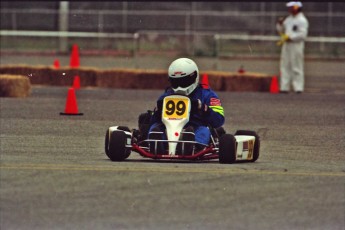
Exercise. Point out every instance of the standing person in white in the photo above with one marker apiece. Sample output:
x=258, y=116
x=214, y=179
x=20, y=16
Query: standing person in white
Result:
x=293, y=31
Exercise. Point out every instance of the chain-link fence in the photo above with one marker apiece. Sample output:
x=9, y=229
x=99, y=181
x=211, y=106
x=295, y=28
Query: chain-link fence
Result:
x=184, y=27
x=326, y=19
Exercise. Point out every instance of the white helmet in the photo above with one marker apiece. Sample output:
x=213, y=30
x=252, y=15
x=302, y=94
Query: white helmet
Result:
x=183, y=76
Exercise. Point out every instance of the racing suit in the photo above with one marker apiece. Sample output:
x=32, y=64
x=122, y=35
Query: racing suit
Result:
x=213, y=117
x=292, y=53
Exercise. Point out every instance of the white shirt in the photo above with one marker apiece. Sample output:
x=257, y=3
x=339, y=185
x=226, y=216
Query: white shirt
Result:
x=296, y=27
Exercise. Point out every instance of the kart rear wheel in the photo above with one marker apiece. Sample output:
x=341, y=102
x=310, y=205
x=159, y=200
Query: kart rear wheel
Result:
x=106, y=143
x=227, y=149
x=256, y=152
x=115, y=146
x=220, y=131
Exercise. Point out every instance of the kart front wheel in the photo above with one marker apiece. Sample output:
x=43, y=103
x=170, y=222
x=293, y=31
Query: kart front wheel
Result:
x=227, y=149
x=115, y=147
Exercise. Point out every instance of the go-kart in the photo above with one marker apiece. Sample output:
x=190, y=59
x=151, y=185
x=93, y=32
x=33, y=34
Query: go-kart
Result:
x=120, y=141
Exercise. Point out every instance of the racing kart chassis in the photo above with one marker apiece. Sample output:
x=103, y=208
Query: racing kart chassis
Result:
x=120, y=141
x=242, y=147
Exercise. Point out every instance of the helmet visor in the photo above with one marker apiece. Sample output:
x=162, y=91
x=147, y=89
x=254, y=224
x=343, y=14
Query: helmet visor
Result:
x=183, y=81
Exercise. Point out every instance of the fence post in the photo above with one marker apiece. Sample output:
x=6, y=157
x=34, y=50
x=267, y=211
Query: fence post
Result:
x=216, y=51
x=63, y=26
x=135, y=49
x=187, y=31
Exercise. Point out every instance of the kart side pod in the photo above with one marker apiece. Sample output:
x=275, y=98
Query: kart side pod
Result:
x=243, y=146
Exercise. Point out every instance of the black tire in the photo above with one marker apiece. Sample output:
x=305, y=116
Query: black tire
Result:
x=227, y=149
x=117, y=150
x=106, y=143
x=220, y=131
x=256, y=152
x=124, y=128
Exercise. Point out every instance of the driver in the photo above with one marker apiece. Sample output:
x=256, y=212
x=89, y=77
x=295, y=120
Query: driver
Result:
x=206, y=108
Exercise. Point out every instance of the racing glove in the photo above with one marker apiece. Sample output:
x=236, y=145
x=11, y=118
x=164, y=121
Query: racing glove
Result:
x=157, y=113
x=160, y=105
x=199, y=107
x=281, y=20
x=283, y=39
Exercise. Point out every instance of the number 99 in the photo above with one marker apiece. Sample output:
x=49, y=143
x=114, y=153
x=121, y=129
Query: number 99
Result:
x=179, y=108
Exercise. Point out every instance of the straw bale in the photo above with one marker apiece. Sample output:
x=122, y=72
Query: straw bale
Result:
x=134, y=78
x=14, y=86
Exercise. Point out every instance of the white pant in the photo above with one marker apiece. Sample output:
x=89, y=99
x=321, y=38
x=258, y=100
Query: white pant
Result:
x=292, y=66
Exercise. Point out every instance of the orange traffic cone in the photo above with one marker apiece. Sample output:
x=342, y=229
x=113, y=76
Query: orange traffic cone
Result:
x=76, y=82
x=74, y=62
x=274, y=87
x=204, y=81
x=56, y=64
x=71, y=103
x=241, y=69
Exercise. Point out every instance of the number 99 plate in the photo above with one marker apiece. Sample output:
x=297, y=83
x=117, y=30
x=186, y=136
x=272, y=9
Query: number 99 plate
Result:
x=176, y=107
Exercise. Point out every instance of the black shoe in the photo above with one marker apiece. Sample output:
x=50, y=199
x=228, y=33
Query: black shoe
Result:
x=186, y=148
x=199, y=148
x=298, y=92
x=156, y=147
x=284, y=91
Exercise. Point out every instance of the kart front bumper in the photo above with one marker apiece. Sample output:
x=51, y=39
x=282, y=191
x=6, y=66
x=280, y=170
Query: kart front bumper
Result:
x=208, y=153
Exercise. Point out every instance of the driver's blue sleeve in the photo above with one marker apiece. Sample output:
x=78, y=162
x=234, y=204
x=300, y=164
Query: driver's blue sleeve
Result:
x=215, y=114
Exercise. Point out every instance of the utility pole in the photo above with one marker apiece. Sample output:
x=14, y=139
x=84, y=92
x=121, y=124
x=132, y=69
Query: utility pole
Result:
x=194, y=27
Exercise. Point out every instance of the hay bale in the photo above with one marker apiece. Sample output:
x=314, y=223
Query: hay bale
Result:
x=152, y=79
x=114, y=78
x=132, y=79
x=245, y=82
x=135, y=78
x=229, y=81
x=14, y=86
x=43, y=75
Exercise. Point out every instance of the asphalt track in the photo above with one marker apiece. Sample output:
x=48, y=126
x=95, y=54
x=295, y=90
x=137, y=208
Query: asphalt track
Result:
x=55, y=175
